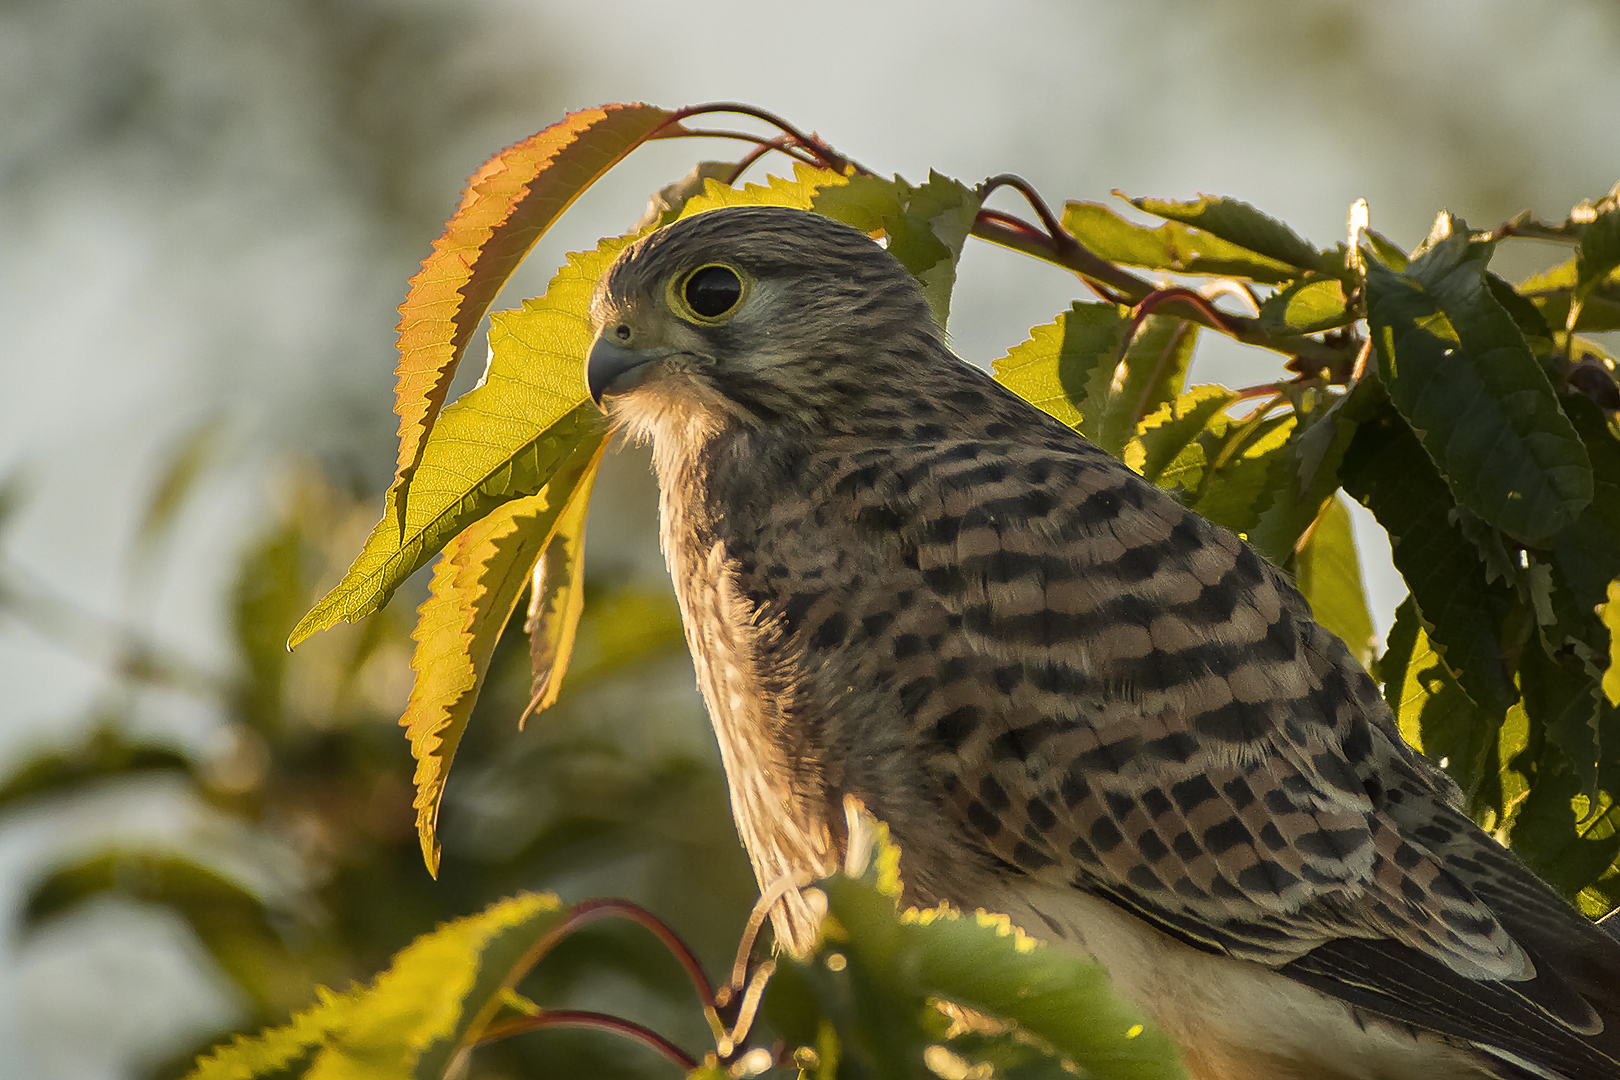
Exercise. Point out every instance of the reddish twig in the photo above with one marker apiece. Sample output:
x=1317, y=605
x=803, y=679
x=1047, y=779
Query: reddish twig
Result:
x=673, y=128
x=1146, y=306
x=595, y=1021
x=1055, y=232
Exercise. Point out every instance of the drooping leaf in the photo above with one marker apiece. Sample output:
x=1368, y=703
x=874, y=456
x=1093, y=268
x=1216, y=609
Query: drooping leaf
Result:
x=1435, y=714
x=103, y=753
x=507, y=205
x=1168, y=449
x=1386, y=470
x=475, y=588
x=1150, y=376
x=501, y=440
x=417, y=1019
x=1328, y=574
x=1055, y=367
x=1241, y=224
x=556, y=599
x=1172, y=246
x=1459, y=370
x=1586, y=553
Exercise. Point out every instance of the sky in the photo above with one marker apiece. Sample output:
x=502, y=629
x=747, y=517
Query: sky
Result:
x=208, y=213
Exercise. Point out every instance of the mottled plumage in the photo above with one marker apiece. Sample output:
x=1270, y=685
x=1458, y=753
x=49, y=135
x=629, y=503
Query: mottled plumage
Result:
x=1072, y=699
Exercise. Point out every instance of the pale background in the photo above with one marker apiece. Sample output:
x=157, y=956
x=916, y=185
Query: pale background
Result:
x=210, y=209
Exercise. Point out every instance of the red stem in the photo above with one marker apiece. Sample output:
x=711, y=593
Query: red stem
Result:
x=595, y=1021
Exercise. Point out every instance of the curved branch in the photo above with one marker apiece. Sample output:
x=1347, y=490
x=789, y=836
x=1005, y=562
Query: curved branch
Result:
x=595, y=1021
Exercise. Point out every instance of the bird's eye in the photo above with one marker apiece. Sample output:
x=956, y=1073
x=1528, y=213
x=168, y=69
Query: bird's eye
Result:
x=712, y=291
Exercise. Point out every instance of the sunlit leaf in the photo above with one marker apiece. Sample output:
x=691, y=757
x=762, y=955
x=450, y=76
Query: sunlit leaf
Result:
x=1599, y=252
x=1055, y=368
x=1459, y=370
x=1245, y=466
x=507, y=205
x=556, y=599
x=1307, y=306
x=928, y=236
x=476, y=586
x=1241, y=224
x=1168, y=448
x=1150, y=376
x=1328, y=573
x=415, y=1020
x=1171, y=246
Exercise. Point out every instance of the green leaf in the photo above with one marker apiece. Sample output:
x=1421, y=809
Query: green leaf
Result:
x=1171, y=246
x=876, y=971
x=557, y=599
x=418, y=1019
x=1149, y=377
x=927, y=236
x=1246, y=466
x=1307, y=306
x=1055, y=367
x=1328, y=574
x=1586, y=554
x=1310, y=474
x=1168, y=447
x=475, y=588
x=230, y=920
x=1434, y=713
x=1242, y=224
x=1459, y=370
x=1599, y=252
x=1386, y=470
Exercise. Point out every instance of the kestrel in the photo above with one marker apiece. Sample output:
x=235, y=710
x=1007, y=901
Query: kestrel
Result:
x=1071, y=699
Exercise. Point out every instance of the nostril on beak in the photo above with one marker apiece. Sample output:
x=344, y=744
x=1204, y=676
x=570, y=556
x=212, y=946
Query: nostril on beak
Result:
x=622, y=332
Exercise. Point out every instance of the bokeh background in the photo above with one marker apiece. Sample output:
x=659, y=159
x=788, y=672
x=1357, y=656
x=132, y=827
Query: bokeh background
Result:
x=207, y=214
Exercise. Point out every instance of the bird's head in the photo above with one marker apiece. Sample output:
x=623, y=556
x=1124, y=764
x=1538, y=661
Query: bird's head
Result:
x=752, y=316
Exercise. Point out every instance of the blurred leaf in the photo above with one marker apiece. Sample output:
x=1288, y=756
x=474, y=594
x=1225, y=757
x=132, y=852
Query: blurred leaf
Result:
x=1055, y=368
x=476, y=586
x=266, y=598
x=557, y=598
x=1167, y=448
x=1386, y=470
x=105, y=753
x=1171, y=246
x=231, y=921
x=1242, y=224
x=1328, y=574
x=418, y=1019
x=1435, y=715
x=508, y=204
x=1307, y=306
x=176, y=479
x=1149, y=377
x=1458, y=369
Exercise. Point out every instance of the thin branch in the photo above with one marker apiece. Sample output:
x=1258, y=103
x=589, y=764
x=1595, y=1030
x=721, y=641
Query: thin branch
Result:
x=595, y=1021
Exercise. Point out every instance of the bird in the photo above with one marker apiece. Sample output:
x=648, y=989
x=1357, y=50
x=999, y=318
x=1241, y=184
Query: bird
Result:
x=1072, y=700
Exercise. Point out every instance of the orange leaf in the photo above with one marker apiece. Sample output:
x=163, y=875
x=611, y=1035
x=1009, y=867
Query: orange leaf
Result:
x=507, y=205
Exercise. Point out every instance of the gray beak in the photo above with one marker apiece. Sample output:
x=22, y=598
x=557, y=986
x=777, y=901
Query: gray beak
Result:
x=612, y=369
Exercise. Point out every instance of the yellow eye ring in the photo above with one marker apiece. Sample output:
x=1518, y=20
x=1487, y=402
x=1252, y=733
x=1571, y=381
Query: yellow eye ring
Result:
x=710, y=292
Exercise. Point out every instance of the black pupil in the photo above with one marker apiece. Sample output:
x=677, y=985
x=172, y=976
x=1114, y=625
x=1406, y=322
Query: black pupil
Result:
x=713, y=290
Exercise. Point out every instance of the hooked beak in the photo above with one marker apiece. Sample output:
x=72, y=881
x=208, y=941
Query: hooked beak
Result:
x=612, y=369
